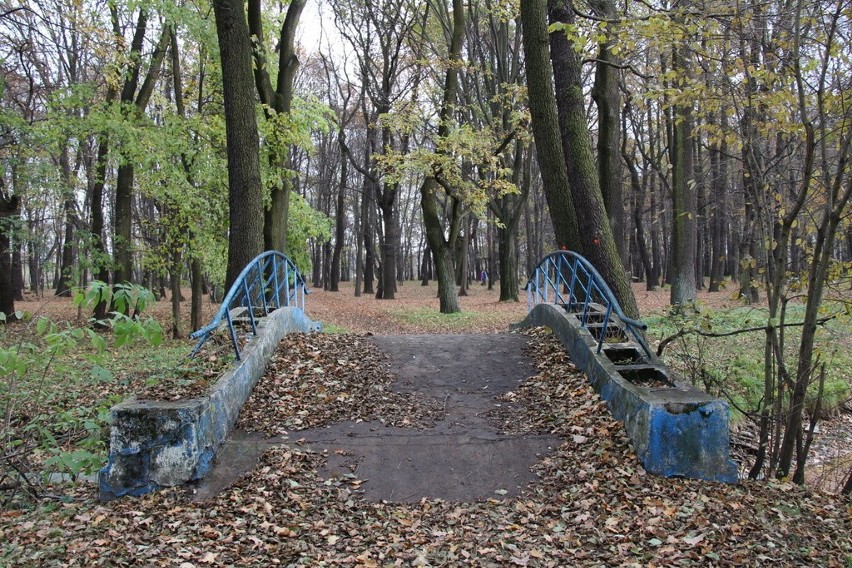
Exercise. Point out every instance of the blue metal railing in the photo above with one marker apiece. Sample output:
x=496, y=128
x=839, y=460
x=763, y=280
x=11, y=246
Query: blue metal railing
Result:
x=568, y=279
x=268, y=282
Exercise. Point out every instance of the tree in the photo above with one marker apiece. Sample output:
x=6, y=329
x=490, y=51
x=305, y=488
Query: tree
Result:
x=545, y=124
x=133, y=104
x=683, y=197
x=605, y=93
x=381, y=33
x=442, y=247
x=595, y=233
x=245, y=195
x=277, y=107
x=9, y=209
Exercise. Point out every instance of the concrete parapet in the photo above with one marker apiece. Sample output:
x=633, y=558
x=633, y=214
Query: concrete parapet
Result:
x=156, y=444
x=676, y=429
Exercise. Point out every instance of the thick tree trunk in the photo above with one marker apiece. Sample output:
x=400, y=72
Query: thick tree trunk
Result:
x=545, y=125
x=99, y=252
x=508, y=251
x=719, y=173
x=339, y=220
x=598, y=244
x=122, y=230
x=66, y=268
x=135, y=106
x=369, y=235
x=245, y=195
x=279, y=99
x=607, y=99
x=683, y=205
x=389, y=246
x=9, y=208
x=441, y=249
x=197, y=276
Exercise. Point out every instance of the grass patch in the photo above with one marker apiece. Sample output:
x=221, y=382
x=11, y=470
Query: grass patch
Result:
x=334, y=328
x=431, y=320
x=733, y=366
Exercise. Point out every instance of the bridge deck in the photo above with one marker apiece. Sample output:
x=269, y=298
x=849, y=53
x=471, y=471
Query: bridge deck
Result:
x=465, y=455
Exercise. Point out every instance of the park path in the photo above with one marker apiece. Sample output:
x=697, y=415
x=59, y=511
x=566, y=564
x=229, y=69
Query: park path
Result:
x=464, y=456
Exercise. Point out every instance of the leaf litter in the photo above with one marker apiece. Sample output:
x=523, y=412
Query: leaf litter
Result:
x=592, y=505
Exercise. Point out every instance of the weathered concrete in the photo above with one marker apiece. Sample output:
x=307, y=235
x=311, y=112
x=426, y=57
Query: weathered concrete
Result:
x=157, y=444
x=464, y=456
x=676, y=429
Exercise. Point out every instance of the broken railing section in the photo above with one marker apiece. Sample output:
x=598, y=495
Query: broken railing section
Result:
x=676, y=429
x=268, y=282
x=156, y=444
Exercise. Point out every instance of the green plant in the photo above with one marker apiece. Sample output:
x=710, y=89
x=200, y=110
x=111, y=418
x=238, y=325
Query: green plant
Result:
x=55, y=392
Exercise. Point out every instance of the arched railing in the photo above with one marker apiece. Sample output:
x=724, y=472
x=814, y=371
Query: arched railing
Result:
x=568, y=279
x=268, y=282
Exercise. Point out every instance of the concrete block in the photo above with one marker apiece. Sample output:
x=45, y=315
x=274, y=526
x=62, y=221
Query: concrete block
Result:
x=676, y=429
x=156, y=444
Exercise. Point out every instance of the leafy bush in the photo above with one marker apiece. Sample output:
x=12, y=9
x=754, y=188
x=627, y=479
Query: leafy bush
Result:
x=55, y=389
x=722, y=351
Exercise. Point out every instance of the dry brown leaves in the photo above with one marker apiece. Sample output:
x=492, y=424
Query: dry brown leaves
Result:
x=593, y=504
x=317, y=379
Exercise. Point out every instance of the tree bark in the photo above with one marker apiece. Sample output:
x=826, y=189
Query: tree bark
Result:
x=442, y=248
x=607, y=99
x=9, y=208
x=719, y=172
x=245, y=195
x=69, y=211
x=683, y=202
x=279, y=101
x=598, y=244
x=133, y=105
x=545, y=124
x=340, y=219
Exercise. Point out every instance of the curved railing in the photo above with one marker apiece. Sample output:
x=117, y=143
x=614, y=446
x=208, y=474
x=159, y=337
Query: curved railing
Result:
x=268, y=282
x=568, y=279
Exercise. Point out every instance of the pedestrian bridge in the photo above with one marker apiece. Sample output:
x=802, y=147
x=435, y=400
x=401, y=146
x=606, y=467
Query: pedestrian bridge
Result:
x=675, y=429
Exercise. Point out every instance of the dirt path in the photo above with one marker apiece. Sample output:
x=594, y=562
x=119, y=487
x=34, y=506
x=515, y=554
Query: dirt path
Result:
x=463, y=456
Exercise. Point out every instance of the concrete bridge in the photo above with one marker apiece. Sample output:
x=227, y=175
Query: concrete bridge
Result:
x=675, y=429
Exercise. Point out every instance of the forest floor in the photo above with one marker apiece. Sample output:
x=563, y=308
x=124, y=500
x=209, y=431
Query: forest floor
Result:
x=591, y=504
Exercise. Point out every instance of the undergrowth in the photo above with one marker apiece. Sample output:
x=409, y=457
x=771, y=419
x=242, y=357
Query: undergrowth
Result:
x=732, y=366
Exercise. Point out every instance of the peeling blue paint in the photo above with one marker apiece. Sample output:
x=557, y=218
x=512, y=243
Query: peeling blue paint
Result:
x=676, y=431
x=155, y=444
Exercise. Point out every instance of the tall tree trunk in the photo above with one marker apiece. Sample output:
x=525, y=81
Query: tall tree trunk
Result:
x=607, y=99
x=442, y=248
x=683, y=202
x=197, y=276
x=69, y=211
x=245, y=195
x=340, y=219
x=389, y=246
x=279, y=101
x=598, y=244
x=133, y=105
x=719, y=174
x=9, y=209
x=368, y=227
x=545, y=125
